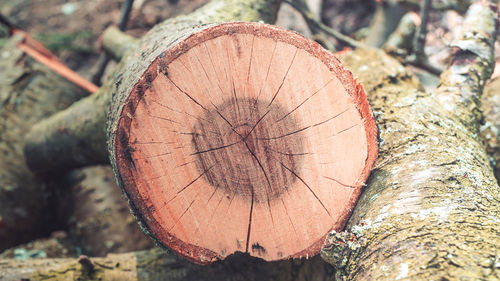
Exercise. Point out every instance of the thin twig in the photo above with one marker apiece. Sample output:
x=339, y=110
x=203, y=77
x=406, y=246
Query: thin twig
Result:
x=419, y=58
x=317, y=26
x=125, y=14
x=425, y=65
x=104, y=58
x=440, y=6
x=422, y=31
x=5, y=21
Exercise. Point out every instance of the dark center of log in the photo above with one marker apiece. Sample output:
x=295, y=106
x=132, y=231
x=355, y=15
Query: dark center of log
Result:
x=244, y=147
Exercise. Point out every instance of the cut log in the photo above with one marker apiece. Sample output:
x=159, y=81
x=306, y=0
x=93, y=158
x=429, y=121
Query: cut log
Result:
x=241, y=137
x=29, y=92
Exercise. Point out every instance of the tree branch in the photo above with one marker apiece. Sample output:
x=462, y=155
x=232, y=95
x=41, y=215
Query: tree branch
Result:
x=400, y=43
x=387, y=15
x=422, y=31
x=318, y=27
x=104, y=58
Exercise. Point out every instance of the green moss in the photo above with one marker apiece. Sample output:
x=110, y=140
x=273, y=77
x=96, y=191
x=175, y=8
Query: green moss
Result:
x=66, y=41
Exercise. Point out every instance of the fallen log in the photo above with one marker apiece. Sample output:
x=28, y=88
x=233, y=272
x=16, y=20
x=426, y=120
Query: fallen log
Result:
x=157, y=264
x=391, y=88
x=400, y=43
x=430, y=209
x=490, y=129
x=402, y=90
x=29, y=92
x=99, y=220
x=58, y=245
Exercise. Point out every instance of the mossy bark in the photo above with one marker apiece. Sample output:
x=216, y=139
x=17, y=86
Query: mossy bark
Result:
x=29, y=92
x=76, y=136
x=157, y=264
x=490, y=128
x=71, y=138
x=117, y=43
x=58, y=245
x=430, y=209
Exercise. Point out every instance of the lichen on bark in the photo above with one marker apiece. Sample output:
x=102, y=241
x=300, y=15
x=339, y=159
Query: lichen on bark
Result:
x=490, y=127
x=430, y=208
x=156, y=264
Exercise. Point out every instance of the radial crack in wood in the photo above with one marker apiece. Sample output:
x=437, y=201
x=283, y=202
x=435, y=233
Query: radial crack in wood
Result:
x=242, y=137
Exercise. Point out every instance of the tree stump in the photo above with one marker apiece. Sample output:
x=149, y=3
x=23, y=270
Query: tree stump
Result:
x=241, y=137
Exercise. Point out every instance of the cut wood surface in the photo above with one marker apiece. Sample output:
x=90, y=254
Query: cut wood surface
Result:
x=242, y=137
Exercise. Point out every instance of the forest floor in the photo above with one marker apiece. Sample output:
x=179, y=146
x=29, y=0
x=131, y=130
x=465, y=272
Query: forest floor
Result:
x=71, y=29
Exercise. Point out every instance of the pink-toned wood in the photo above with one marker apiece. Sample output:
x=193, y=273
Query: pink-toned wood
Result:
x=37, y=51
x=245, y=137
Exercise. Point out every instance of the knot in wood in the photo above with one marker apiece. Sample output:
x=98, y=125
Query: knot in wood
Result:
x=242, y=148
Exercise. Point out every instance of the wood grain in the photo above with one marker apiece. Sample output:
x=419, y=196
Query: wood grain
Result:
x=244, y=137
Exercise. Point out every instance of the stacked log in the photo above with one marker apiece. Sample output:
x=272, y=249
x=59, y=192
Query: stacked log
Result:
x=29, y=92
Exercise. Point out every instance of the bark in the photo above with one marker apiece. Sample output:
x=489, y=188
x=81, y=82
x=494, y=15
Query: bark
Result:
x=400, y=43
x=430, y=209
x=490, y=128
x=291, y=19
x=59, y=245
x=385, y=21
x=157, y=264
x=29, y=92
x=100, y=221
x=76, y=137
x=117, y=43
